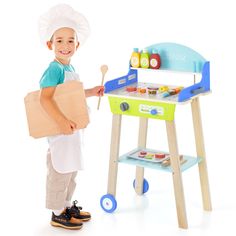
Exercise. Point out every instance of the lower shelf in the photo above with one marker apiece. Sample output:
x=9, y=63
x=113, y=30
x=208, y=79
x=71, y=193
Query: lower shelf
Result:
x=128, y=159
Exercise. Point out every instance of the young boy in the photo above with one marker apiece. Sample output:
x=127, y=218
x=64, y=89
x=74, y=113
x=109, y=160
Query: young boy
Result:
x=63, y=30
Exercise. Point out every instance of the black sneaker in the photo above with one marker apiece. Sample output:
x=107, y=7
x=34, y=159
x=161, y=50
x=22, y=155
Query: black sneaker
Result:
x=76, y=212
x=65, y=220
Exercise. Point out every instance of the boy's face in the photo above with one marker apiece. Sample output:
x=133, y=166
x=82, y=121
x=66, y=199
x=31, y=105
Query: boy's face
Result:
x=64, y=43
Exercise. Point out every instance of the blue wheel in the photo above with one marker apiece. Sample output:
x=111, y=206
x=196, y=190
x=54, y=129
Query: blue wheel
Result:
x=108, y=203
x=145, y=185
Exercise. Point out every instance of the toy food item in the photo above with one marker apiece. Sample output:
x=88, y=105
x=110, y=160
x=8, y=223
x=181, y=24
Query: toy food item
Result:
x=135, y=58
x=178, y=89
x=167, y=162
x=166, y=94
x=172, y=91
x=144, y=59
x=149, y=156
x=131, y=89
x=155, y=60
x=141, y=90
x=163, y=89
x=142, y=154
x=160, y=155
x=152, y=90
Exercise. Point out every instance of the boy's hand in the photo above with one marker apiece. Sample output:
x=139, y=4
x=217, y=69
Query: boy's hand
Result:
x=67, y=126
x=97, y=91
x=46, y=100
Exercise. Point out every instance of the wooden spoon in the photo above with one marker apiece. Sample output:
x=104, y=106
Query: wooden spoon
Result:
x=104, y=69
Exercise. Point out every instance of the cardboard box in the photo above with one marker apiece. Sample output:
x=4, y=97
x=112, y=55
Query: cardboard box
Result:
x=70, y=98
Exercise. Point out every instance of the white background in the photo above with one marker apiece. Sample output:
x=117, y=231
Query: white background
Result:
x=116, y=27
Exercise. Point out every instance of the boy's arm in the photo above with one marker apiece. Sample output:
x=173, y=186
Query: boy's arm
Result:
x=95, y=91
x=46, y=100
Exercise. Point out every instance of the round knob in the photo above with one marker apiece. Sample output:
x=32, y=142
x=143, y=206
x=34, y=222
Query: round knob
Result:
x=124, y=106
x=153, y=112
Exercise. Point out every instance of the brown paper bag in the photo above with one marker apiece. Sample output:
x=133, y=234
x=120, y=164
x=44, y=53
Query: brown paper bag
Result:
x=70, y=98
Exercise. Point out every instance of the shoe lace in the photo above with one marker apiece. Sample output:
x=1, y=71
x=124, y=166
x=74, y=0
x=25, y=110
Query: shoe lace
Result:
x=78, y=208
x=67, y=213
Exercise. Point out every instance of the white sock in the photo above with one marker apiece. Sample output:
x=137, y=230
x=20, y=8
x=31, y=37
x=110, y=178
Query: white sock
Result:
x=67, y=204
x=57, y=212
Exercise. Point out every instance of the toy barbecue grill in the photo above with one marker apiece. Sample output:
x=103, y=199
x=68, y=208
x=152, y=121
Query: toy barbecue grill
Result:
x=128, y=96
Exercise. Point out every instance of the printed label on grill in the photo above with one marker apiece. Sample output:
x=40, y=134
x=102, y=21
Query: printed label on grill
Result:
x=147, y=109
x=121, y=81
x=133, y=76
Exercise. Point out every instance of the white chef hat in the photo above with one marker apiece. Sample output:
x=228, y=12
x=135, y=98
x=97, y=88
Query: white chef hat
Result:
x=60, y=16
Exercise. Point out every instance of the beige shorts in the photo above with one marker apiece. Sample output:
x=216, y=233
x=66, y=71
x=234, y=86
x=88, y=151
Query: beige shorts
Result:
x=59, y=187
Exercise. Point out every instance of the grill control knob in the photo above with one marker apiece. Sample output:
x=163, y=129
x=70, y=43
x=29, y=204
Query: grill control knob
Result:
x=153, y=112
x=124, y=106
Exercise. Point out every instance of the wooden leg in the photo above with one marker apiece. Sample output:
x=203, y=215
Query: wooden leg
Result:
x=199, y=140
x=177, y=175
x=114, y=154
x=142, y=138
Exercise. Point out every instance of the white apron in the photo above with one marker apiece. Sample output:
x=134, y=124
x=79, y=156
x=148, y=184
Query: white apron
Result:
x=66, y=150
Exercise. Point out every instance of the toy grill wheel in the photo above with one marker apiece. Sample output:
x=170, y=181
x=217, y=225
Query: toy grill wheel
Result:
x=108, y=203
x=145, y=185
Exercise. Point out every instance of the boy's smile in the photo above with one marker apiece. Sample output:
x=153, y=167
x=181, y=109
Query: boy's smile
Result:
x=65, y=52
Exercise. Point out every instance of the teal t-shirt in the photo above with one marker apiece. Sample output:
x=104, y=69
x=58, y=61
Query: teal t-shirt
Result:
x=54, y=74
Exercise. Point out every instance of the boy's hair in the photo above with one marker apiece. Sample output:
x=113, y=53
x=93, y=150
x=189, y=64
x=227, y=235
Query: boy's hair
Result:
x=51, y=39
